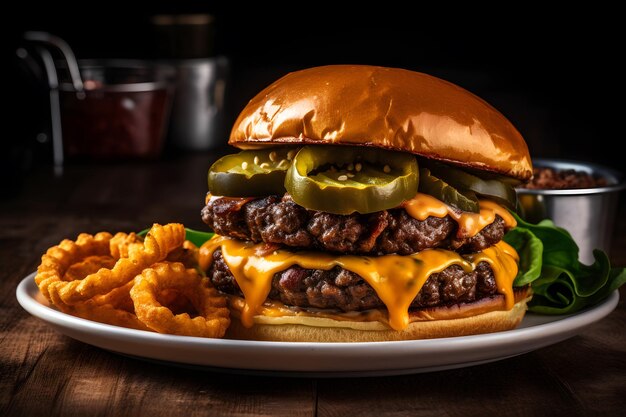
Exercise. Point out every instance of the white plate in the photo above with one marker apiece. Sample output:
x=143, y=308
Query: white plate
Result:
x=317, y=359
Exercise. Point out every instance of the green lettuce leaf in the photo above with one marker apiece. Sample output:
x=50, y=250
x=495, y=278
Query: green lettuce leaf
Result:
x=549, y=262
x=530, y=249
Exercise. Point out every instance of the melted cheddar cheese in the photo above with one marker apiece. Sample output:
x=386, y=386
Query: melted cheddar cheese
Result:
x=396, y=279
x=470, y=224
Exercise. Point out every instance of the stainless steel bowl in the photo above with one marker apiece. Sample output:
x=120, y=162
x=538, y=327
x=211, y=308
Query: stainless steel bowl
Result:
x=588, y=214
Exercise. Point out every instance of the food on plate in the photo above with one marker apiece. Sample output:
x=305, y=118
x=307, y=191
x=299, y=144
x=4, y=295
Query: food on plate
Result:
x=187, y=286
x=59, y=259
x=88, y=266
x=187, y=254
x=367, y=203
x=121, y=242
x=115, y=308
x=560, y=283
x=145, y=283
x=155, y=247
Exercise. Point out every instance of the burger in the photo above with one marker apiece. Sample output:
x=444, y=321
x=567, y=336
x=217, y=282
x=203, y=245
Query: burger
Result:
x=366, y=204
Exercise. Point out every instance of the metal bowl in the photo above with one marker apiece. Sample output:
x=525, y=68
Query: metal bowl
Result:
x=588, y=214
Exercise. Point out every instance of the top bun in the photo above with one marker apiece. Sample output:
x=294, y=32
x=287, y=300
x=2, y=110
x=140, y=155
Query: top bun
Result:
x=389, y=108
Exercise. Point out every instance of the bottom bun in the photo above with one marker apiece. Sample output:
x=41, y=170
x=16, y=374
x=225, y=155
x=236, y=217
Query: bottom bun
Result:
x=484, y=316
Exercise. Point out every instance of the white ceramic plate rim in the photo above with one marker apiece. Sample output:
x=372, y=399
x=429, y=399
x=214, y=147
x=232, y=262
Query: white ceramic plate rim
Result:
x=317, y=359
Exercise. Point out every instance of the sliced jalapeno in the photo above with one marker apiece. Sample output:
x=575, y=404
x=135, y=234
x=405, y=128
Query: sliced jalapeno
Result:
x=251, y=173
x=493, y=188
x=344, y=180
x=441, y=190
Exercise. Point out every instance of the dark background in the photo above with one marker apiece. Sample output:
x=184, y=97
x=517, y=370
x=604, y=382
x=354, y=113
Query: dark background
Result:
x=555, y=76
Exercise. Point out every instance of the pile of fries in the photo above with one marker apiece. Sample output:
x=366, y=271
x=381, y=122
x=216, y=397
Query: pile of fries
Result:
x=149, y=283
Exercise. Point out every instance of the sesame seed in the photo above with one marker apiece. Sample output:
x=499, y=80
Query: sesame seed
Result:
x=358, y=167
x=342, y=177
x=256, y=160
x=282, y=163
x=350, y=175
x=273, y=156
x=387, y=169
x=291, y=154
x=244, y=165
x=264, y=165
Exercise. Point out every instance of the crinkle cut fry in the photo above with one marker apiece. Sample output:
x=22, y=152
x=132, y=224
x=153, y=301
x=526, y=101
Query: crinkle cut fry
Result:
x=213, y=316
x=121, y=242
x=187, y=254
x=58, y=259
x=114, y=308
x=87, y=266
x=158, y=243
x=93, y=278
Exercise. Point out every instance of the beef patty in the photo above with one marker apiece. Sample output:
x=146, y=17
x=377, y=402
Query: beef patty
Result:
x=344, y=290
x=279, y=220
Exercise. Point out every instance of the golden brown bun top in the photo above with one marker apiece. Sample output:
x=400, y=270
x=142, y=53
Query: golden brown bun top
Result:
x=383, y=107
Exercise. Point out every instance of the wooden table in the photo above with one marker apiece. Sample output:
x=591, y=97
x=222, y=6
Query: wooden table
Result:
x=46, y=373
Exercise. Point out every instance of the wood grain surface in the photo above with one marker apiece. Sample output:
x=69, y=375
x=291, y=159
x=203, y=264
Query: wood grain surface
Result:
x=45, y=373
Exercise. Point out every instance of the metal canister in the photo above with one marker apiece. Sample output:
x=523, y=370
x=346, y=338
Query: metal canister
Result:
x=197, y=117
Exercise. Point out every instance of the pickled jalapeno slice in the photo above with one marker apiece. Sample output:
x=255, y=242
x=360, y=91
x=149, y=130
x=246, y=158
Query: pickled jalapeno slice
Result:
x=461, y=199
x=251, y=173
x=495, y=189
x=348, y=179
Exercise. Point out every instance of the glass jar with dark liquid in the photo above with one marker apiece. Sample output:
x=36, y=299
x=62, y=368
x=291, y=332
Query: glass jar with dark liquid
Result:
x=122, y=113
